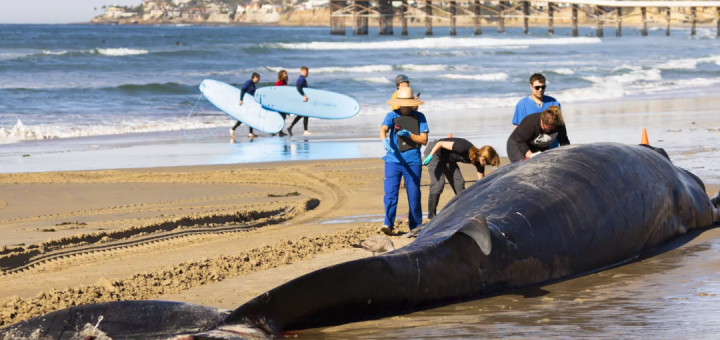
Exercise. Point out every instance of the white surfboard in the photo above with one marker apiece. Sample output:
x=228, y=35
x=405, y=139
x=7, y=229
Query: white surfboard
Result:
x=227, y=98
x=320, y=104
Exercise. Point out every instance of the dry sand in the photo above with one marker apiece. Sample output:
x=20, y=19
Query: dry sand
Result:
x=214, y=235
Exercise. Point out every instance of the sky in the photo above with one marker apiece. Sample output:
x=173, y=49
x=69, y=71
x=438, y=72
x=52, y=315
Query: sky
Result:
x=54, y=11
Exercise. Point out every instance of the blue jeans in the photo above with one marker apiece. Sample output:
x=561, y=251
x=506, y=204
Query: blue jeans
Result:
x=412, y=173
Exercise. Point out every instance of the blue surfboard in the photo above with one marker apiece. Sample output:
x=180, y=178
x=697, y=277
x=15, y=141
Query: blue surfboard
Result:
x=320, y=104
x=227, y=98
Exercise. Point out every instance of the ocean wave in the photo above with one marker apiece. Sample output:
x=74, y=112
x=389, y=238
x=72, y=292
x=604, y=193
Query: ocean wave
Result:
x=374, y=80
x=54, y=53
x=337, y=69
x=119, y=126
x=159, y=88
x=630, y=77
x=424, y=43
x=687, y=64
x=422, y=68
x=119, y=52
x=481, y=77
x=563, y=71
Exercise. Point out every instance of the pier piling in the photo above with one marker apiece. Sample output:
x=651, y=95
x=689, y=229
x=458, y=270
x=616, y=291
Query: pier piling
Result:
x=428, y=18
x=453, y=8
x=385, y=23
x=574, y=20
x=618, y=28
x=478, y=27
x=551, y=23
x=500, y=19
x=667, y=28
x=526, y=12
x=337, y=24
x=361, y=21
x=717, y=32
x=692, y=21
x=598, y=22
x=403, y=19
x=643, y=14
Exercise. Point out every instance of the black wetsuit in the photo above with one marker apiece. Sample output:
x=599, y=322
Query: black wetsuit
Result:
x=300, y=84
x=249, y=88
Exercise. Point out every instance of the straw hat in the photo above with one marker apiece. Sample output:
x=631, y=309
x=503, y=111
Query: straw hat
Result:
x=405, y=98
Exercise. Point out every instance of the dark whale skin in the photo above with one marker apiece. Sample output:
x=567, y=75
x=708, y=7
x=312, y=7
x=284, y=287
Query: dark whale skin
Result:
x=568, y=212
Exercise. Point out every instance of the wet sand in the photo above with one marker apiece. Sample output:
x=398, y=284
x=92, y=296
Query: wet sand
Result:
x=220, y=235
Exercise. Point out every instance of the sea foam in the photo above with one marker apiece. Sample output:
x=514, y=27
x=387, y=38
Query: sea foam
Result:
x=425, y=43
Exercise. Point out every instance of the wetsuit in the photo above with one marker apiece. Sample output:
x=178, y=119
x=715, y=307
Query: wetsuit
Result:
x=300, y=84
x=281, y=83
x=249, y=88
x=529, y=136
x=444, y=165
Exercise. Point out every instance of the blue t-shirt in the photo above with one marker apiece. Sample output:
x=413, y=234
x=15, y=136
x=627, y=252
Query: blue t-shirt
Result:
x=301, y=82
x=249, y=87
x=412, y=156
x=527, y=106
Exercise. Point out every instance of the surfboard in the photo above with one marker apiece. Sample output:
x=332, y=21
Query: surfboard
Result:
x=320, y=104
x=226, y=98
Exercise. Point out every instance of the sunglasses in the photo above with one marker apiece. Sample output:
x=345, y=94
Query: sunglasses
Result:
x=542, y=87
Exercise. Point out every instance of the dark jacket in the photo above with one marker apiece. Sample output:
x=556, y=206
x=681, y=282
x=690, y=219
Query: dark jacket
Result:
x=530, y=136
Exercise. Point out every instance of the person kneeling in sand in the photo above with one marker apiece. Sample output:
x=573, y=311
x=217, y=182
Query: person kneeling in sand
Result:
x=442, y=158
x=406, y=164
x=536, y=133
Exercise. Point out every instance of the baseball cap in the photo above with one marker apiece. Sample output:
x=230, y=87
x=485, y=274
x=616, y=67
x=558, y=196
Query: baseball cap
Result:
x=401, y=78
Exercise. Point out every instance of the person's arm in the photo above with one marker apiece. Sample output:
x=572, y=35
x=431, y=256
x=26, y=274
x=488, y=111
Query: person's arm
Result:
x=562, y=137
x=300, y=89
x=444, y=145
x=420, y=139
x=242, y=95
x=516, y=116
x=383, y=132
x=480, y=175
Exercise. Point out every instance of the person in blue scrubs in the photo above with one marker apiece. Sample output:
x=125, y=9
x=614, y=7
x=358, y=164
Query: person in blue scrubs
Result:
x=402, y=165
x=536, y=102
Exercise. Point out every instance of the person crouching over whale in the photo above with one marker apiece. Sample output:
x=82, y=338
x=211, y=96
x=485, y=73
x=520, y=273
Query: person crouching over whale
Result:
x=405, y=164
x=442, y=158
x=536, y=133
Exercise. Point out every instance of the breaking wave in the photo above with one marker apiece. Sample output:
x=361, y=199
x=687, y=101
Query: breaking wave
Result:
x=480, y=77
x=426, y=43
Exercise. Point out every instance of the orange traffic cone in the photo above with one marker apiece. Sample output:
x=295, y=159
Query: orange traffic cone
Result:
x=644, y=140
x=449, y=135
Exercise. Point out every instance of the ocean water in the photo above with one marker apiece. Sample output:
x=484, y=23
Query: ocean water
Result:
x=64, y=81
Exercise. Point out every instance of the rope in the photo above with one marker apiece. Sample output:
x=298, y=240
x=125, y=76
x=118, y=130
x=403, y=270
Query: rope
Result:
x=188, y=118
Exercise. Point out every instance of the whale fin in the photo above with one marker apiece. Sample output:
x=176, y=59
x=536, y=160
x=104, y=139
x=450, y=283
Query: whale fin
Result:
x=478, y=229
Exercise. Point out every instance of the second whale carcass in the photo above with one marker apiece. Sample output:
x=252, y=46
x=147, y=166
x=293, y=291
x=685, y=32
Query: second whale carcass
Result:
x=568, y=212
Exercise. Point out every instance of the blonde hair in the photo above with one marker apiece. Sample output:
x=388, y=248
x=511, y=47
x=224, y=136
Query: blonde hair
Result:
x=552, y=116
x=487, y=153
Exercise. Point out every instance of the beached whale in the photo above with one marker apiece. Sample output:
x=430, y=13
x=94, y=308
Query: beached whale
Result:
x=568, y=212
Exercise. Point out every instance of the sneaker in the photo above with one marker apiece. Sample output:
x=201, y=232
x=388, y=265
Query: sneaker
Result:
x=386, y=230
x=307, y=133
x=282, y=134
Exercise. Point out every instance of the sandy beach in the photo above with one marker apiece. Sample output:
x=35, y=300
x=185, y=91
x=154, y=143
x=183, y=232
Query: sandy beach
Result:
x=213, y=235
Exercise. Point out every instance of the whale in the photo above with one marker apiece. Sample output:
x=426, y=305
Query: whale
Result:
x=568, y=212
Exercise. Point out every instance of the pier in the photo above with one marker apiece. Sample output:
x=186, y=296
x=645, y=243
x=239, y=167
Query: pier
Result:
x=387, y=12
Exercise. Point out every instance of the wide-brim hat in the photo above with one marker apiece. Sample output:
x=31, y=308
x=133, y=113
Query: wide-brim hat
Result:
x=405, y=98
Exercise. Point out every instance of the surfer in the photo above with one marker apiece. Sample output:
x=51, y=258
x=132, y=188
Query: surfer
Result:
x=536, y=102
x=403, y=164
x=301, y=83
x=282, y=80
x=536, y=133
x=249, y=88
x=442, y=157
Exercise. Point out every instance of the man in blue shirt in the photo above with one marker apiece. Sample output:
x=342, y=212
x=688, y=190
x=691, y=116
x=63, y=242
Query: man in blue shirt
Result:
x=536, y=102
x=249, y=88
x=300, y=84
x=406, y=164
